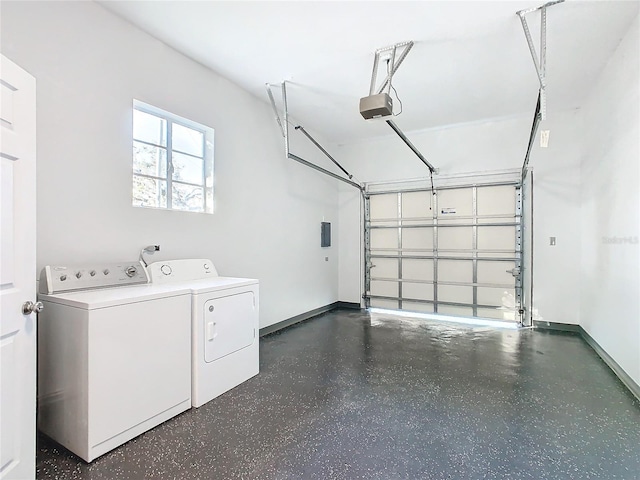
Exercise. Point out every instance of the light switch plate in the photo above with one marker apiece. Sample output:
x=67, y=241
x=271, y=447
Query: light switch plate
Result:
x=544, y=138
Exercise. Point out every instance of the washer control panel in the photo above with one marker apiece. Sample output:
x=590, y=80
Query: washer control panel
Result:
x=58, y=278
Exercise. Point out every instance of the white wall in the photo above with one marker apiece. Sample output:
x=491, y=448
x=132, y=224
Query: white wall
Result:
x=89, y=66
x=489, y=146
x=610, y=267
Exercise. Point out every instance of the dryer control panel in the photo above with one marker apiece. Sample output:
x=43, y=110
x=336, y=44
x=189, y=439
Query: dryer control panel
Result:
x=60, y=278
x=181, y=270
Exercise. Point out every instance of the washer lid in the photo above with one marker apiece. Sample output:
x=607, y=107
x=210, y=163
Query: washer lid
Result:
x=111, y=297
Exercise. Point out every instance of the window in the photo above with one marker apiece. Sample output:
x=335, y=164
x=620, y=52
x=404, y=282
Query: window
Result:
x=172, y=161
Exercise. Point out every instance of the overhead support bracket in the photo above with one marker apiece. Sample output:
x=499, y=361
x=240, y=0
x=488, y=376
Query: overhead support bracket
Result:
x=273, y=106
x=537, y=118
x=540, y=63
x=313, y=140
x=394, y=58
x=374, y=106
x=413, y=148
x=326, y=172
x=283, y=123
x=379, y=103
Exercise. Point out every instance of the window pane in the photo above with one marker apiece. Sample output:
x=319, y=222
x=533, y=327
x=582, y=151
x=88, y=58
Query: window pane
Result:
x=149, y=128
x=149, y=160
x=187, y=169
x=187, y=197
x=187, y=140
x=149, y=192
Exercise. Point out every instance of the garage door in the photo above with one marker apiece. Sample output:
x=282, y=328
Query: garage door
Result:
x=455, y=252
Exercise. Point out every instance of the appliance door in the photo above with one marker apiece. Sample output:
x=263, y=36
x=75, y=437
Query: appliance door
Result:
x=229, y=324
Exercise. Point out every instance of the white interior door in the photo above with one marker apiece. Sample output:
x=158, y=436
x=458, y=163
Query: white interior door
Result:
x=17, y=272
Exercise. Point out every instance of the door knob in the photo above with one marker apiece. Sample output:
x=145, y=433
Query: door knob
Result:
x=30, y=307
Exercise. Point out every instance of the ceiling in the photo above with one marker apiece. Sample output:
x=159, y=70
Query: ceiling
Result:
x=470, y=61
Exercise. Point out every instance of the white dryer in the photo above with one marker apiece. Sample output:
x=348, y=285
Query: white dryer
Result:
x=112, y=362
x=224, y=325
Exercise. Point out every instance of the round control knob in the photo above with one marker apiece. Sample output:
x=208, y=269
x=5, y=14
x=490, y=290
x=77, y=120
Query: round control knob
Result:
x=131, y=271
x=166, y=269
x=63, y=278
x=78, y=274
x=211, y=308
x=92, y=273
x=106, y=271
x=206, y=266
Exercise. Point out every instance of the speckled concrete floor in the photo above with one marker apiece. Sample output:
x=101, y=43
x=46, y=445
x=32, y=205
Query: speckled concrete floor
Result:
x=348, y=396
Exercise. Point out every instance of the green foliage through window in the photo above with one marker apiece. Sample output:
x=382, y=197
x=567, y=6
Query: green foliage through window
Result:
x=172, y=161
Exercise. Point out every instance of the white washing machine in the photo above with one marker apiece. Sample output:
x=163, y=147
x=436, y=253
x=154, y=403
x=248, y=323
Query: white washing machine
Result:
x=225, y=328
x=112, y=362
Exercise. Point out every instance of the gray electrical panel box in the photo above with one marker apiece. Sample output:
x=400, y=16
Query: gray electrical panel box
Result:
x=325, y=234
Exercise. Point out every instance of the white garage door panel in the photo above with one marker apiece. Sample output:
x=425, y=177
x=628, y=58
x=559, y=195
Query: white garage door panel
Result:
x=499, y=254
x=384, y=289
x=417, y=307
x=497, y=238
x=495, y=272
x=496, y=314
x=417, y=291
x=417, y=269
x=384, y=206
x=382, y=303
x=492, y=296
x=455, y=294
x=417, y=239
x=455, y=271
x=496, y=200
x=417, y=205
x=455, y=238
x=385, y=268
x=452, y=310
x=458, y=202
x=384, y=238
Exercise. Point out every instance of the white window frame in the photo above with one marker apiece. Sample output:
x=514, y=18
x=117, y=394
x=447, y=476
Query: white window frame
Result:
x=208, y=158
